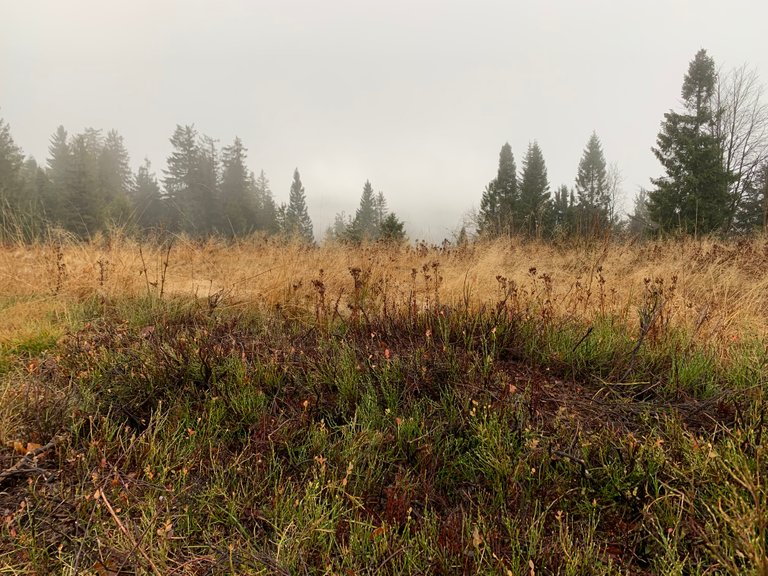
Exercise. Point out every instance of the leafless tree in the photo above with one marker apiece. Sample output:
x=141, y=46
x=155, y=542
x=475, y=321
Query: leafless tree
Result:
x=614, y=181
x=742, y=128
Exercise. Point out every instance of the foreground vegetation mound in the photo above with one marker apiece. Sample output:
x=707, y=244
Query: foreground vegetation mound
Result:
x=174, y=437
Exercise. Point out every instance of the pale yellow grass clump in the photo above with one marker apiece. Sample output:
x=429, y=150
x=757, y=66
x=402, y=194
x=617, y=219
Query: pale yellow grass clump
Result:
x=717, y=290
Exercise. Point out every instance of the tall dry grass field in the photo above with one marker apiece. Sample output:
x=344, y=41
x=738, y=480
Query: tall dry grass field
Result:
x=715, y=290
x=500, y=408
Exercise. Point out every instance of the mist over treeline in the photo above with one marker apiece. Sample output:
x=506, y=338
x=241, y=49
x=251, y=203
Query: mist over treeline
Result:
x=87, y=186
x=714, y=153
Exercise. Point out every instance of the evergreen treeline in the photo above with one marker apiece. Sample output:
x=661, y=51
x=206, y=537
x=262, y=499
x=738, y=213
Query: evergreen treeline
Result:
x=87, y=186
x=715, y=157
x=714, y=153
x=372, y=221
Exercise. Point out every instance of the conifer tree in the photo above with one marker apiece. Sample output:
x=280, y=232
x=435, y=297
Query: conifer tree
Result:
x=364, y=226
x=182, y=182
x=507, y=190
x=115, y=177
x=594, y=199
x=209, y=179
x=58, y=169
x=237, y=194
x=489, y=217
x=148, y=204
x=380, y=208
x=563, y=211
x=266, y=211
x=392, y=229
x=693, y=195
x=297, y=223
x=84, y=209
x=11, y=160
x=499, y=203
x=534, y=202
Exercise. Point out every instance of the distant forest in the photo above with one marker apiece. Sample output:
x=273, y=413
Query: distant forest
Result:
x=714, y=153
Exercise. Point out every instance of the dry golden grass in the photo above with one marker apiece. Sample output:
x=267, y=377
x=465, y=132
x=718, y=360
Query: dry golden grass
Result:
x=715, y=289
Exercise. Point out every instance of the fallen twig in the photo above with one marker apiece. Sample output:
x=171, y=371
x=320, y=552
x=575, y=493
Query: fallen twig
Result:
x=128, y=535
x=21, y=466
x=575, y=459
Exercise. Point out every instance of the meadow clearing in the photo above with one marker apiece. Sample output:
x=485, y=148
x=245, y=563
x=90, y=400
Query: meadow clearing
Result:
x=256, y=407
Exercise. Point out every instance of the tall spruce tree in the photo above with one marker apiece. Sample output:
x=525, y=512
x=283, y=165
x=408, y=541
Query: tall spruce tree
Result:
x=507, y=190
x=392, y=229
x=11, y=160
x=297, y=223
x=182, y=181
x=237, y=194
x=498, y=205
x=115, y=177
x=84, y=208
x=365, y=226
x=266, y=210
x=693, y=195
x=148, y=204
x=594, y=198
x=209, y=180
x=35, y=199
x=563, y=212
x=534, y=204
x=58, y=169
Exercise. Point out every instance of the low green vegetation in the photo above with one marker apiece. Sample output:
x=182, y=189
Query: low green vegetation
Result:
x=181, y=437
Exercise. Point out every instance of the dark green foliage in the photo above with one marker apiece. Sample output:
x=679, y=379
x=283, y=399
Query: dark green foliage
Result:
x=58, y=170
x=266, y=211
x=237, y=191
x=366, y=224
x=372, y=221
x=84, y=209
x=392, y=229
x=11, y=160
x=563, y=213
x=296, y=223
x=149, y=209
x=182, y=181
x=693, y=195
x=115, y=178
x=499, y=203
x=592, y=191
x=534, y=204
x=489, y=222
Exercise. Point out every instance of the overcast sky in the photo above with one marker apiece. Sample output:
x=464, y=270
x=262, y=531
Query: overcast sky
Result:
x=417, y=96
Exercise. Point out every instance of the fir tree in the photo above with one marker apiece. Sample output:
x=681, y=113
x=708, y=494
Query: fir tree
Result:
x=507, y=190
x=181, y=181
x=392, y=229
x=115, y=177
x=534, y=203
x=594, y=199
x=489, y=218
x=58, y=169
x=499, y=203
x=11, y=160
x=297, y=223
x=266, y=211
x=148, y=204
x=209, y=177
x=84, y=209
x=693, y=195
x=237, y=193
x=365, y=226
x=563, y=211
